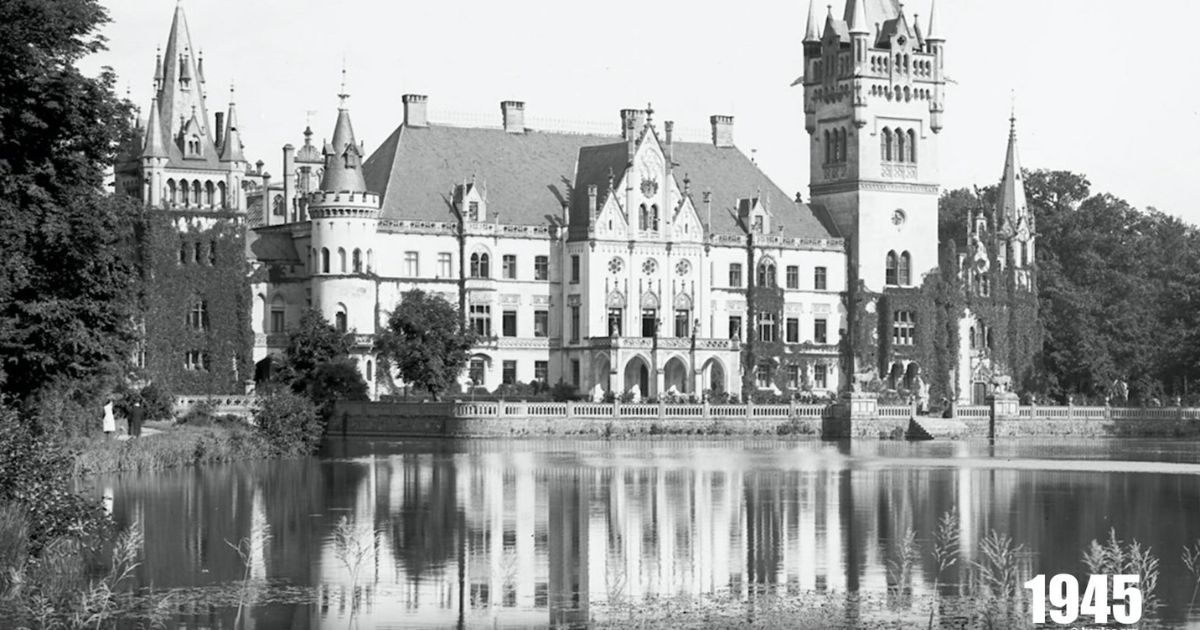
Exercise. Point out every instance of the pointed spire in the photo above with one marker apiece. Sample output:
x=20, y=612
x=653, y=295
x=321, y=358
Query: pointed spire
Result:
x=200, y=66
x=1011, y=199
x=231, y=150
x=931, y=34
x=812, y=33
x=156, y=144
x=343, y=157
x=179, y=67
x=858, y=18
x=158, y=69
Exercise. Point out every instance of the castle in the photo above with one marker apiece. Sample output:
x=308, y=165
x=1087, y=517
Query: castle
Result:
x=631, y=262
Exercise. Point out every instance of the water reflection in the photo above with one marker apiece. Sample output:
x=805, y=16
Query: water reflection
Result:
x=528, y=534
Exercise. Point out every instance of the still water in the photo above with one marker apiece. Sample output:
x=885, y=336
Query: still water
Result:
x=497, y=533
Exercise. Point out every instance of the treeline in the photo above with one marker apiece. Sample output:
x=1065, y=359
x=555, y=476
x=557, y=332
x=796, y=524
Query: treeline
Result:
x=1118, y=291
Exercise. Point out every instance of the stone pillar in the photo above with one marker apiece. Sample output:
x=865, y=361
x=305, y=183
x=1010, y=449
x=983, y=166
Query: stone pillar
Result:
x=1005, y=406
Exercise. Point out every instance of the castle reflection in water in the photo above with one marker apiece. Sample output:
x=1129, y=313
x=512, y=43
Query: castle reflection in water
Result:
x=509, y=534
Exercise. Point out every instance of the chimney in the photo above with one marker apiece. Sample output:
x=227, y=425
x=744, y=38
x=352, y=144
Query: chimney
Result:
x=266, y=197
x=592, y=189
x=668, y=137
x=220, y=118
x=722, y=131
x=632, y=119
x=289, y=180
x=514, y=116
x=414, y=110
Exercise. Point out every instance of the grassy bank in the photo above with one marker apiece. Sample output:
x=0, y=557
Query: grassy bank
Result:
x=170, y=447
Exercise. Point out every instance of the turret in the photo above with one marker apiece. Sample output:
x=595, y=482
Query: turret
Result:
x=231, y=149
x=344, y=217
x=936, y=44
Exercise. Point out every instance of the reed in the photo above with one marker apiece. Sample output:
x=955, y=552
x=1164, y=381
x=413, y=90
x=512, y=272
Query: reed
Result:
x=177, y=446
x=1116, y=557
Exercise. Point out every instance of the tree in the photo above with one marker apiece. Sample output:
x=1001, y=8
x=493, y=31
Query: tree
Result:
x=426, y=342
x=69, y=282
x=316, y=363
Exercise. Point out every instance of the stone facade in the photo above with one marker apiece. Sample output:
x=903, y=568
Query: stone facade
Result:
x=631, y=263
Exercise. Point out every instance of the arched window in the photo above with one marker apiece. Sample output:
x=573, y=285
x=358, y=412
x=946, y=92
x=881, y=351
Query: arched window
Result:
x=643, y=218
x=972, y=337
x=766, y=274
x=905, y=273
x=1024, y=254
x=842, y=145
x=370, y=371
x=912, y=146
x=342, y=259
x=901, y=141
x=370, y=260
x=479, y=265
x=654, y=218
x=886, y=145
x=324, y=260
x=357, y=260
x=890, y=276
x=222, y=193
x=209, y=193
x=184, y=197
x=989, y=339
x=172, y=192
x=828, y=148
x=196, y=191
x=340, y=321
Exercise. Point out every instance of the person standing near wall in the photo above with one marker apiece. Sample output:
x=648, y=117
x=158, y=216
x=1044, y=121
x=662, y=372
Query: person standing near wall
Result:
x=136, y=415
x=110, y=421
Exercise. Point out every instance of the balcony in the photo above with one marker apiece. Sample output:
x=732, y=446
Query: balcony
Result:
x=360, y=341
x=664, y=343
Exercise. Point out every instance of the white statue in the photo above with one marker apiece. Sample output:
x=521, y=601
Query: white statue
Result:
x=635, y=394
x=598, y=393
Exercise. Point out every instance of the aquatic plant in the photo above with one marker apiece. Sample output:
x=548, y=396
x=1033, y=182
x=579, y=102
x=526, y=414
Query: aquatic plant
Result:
x=899, y=566
x=171, y=448
x=352, y=543
x=945, y=553
x=247, y=548
x=1115, y=557
x=1191, y=561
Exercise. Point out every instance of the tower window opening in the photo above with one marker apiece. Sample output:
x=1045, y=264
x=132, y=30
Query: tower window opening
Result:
x=905, y=271
x=324, y=260
x=901, y=141
x=892, y=270
x=912, y=146
x=886, y=145
x=357, y=260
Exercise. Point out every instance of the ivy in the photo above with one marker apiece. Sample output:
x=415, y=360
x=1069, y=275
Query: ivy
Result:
x=171, y=287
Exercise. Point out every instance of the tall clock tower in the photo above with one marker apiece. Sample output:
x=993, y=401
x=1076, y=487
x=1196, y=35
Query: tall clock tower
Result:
x=873, y=101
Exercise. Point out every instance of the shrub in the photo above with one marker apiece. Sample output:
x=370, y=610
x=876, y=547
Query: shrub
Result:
x=35, y=475
x=157, y=402
x=288, y=423
x=563, y=392
x=200, y=415
x=796, y=426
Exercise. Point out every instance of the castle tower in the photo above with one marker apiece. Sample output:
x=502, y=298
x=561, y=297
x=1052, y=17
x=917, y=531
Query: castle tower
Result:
x=189, y=172
x=873, y=86
x=344, y=216
x=1016, y=228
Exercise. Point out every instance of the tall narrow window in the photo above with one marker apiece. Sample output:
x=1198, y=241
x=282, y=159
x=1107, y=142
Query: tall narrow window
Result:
x=654, y=218
x=891, y=273
x=324, y=260
x=901, y=144
x=793, y=330
x=278, y=316
x=819, y=279
x=509, y=266
x=479, y=265
x=412, y=264
x=905, y=272
x=820, y=330
x=735, y=327
x=766, y=274
x=445, y=265
x=820, y=376
x=683, y=321
x=508, y=374
x=358, y=260
x=649, y=322
x=508, y=323
x=904, y=325
x=843, y=145
x=766, y=327
x=541, y=323
x=481, y=319
x=643, y=217
x=828, y=147
x=885, y=148
x=342, y=259
x=575, y=269
x=340, y=322
x=223, y=194
x=541, y=267
x=541, y=371
x=735, y=275
x=912, y=146
x=615, y=317
x=472, y=210
x=575, y=324
x=477, y=372
x=793, y=277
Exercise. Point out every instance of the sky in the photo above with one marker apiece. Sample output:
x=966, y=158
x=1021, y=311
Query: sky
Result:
x=1102, y=87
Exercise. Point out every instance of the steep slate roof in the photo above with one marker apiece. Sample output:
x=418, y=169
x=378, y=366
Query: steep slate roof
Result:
x=529, y=176
x=270, y=245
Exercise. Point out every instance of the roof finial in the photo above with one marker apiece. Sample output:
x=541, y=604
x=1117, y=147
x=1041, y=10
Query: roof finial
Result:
x=343, y=95
x=649, y=112
x=1012, y=117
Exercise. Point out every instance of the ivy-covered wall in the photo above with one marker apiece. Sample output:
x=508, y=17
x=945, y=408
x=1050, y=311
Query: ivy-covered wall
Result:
x=187, y=258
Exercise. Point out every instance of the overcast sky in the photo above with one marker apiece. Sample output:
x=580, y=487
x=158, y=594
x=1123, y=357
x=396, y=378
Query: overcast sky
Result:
x=1104, y=87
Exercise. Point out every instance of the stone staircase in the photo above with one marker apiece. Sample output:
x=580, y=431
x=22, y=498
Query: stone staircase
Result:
x=925, y=428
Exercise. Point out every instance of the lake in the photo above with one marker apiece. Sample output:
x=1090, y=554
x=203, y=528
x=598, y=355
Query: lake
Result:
x=571, y=533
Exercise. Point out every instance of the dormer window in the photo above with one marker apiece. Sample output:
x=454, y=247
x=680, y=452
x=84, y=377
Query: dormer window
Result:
x=473, y=211
x=193, y=146
x=758, y=224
